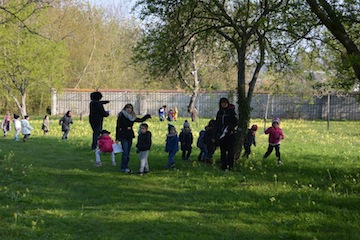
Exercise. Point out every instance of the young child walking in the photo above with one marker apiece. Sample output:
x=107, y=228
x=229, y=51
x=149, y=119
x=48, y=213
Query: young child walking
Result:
x=65, y=122
x=6, y=124
x=26, y=128
x=250, y=140
x=143, y=148
x=17, y=127
x=275, y=135
x=46, y=124
x=105, y=145
x=186, y=140
x=172, y=146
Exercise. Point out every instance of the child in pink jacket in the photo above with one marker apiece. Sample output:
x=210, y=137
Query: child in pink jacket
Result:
x=275, y=135
x=105, y=145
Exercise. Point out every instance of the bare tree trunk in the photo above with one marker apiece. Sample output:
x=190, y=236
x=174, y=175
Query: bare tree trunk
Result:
x=195, y=91
x=243, y=104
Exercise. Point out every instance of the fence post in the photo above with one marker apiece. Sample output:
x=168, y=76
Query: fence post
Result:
x=54, y=102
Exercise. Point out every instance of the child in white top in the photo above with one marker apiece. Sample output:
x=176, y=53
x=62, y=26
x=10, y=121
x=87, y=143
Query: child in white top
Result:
x=17, y=127
x=26, y=128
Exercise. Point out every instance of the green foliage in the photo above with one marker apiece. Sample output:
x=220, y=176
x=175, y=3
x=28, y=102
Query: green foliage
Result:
x=50, y=189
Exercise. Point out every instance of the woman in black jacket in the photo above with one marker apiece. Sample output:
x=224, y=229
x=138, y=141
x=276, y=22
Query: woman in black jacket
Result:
x=125, y=133
x=97, y=114
x=225, y=129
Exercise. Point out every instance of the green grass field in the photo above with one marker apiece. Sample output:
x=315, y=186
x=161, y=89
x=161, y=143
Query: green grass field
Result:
x=50, y=189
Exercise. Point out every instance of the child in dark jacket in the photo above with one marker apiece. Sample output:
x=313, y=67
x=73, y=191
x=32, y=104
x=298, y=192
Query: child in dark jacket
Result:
x=65, y=122
x=143, y=148
x=105, y=144
x=250, y=140
x=210, y=140
x=186, y=140
x=172, y=146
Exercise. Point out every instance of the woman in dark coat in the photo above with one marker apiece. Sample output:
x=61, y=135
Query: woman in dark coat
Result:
x=97, y=114
x=125, y=133
x=225, y=130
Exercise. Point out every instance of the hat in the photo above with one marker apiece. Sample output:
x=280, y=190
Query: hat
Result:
x=186, y=124
x=170, y=127
x=277, y=120
x=254, y=127
x=104, y=131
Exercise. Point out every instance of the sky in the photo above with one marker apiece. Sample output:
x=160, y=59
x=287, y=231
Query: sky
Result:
x=123, y=6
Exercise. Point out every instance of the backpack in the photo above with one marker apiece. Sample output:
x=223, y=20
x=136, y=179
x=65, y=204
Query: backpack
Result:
x=201, y=138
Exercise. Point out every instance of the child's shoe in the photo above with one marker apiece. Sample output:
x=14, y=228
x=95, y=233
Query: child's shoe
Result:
x=280, y=163
x=141, y=173
x=114, y=164
x=98, y=164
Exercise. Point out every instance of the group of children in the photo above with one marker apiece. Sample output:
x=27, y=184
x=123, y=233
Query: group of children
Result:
x=172, y=115
x=206, y=142
x=19, y=125
x=25, y=128
x=275, y=136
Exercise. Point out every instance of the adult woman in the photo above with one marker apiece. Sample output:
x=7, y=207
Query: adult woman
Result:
x=125, y=133
x=97, y=114
x=225, y=131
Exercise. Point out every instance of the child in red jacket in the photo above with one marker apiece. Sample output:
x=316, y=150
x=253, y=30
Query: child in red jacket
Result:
x=105, y=146
x=275, y=135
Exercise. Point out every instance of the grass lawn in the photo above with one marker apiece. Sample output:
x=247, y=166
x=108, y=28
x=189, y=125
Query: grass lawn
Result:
x=50, y=189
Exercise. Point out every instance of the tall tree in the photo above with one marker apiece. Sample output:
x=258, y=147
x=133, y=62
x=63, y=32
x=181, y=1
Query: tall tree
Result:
x=27, y=60
x=341, y=18
x=246, y=30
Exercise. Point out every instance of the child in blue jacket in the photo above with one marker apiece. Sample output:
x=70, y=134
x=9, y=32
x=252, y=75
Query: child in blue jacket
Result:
x=172, y=146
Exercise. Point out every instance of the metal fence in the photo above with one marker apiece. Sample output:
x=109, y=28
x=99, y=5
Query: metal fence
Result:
x=335, y=107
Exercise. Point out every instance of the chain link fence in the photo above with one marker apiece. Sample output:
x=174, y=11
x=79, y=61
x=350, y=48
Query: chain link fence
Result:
x=332, y=106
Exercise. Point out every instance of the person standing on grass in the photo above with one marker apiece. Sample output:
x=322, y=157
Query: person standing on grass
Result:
x=65, y=122
x=210, y=140
x=125, y=133
x=172, y=146
x=250, y=140
x=46, y=124
x=6, y=124
x=26, y=128
x=186, y=139
x=105, y=144
x=275, y=135
x=143, y=148
x=225, y=131
x=17, y=127
x=96, y=117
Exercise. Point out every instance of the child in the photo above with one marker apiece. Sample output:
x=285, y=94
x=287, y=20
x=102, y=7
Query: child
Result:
x=172, y=146
x=45, y=124
x=65, y=122
x=6, y=124
x=17, y=127
x=162, y=114
x=275, y=135
x=210, y=140
x=186, y=140
x=143, y=148
x=201, y=144
x=105, y=144
x=250, y=140
x=170, y=116
x=26, y=128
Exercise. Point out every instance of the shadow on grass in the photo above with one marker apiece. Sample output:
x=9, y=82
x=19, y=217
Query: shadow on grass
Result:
x=71, y=199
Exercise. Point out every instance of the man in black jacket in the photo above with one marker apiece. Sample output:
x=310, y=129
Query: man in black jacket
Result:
x=97, y=114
